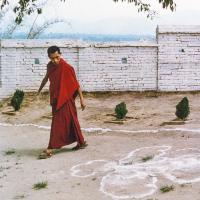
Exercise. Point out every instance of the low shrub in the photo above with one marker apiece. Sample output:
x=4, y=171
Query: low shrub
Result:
x=182, y=109
x=17, y=99
x=121, y=110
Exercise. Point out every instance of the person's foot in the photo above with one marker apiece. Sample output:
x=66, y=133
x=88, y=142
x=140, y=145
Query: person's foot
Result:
x=80, y=146
x=46, y=154
x=48, y=151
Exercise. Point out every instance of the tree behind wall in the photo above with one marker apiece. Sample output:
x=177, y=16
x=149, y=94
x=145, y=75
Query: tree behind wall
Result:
x=32, y=31
x=27, y=7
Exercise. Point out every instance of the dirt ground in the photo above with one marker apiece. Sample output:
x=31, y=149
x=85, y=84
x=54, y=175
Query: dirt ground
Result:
x=133, y=160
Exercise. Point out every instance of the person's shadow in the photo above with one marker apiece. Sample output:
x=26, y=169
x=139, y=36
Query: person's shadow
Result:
x=36, y=152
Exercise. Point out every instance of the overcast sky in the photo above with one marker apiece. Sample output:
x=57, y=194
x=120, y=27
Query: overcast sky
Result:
x=92, y=10
x=108, y=17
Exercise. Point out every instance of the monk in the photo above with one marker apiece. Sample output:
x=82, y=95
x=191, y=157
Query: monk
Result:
x=64, y=87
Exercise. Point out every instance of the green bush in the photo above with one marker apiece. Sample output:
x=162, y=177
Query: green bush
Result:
x=182, y=109
x=167, y=188
x=40, y=185
x=17, y=99
x=121, y=110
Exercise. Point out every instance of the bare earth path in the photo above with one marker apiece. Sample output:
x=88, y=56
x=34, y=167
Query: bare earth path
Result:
x=113, y=166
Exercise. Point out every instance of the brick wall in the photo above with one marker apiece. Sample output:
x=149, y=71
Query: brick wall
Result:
x=99, y=67
x=118, y=68
x=171, y=63
x=178, y=58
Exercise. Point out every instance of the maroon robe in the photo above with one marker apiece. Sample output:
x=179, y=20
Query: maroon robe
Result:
x=65, y=127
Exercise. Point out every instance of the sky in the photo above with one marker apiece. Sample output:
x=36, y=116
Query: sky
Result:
x=108, y=17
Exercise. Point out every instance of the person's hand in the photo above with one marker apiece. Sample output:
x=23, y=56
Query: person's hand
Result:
x=83, y=105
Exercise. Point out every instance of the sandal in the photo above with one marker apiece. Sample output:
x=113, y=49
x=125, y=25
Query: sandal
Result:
x=45, y=154
x=80, y=146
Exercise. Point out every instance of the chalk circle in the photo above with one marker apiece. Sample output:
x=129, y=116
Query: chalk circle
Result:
x=128, y=185
x=136, y=156
x=184, y=169
x=131, y=177
x=92, y=168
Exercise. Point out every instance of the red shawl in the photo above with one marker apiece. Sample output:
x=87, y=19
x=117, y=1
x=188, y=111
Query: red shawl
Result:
x=63, y=82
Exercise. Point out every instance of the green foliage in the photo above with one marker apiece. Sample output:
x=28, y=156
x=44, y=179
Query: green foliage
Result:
x=17, y=99
x=166, y=188
x=182, y=109
x=9, y=152
x=121, y=110
x=40, y=185
x=146, y=7
x=152, y=199
x=147, y=158
x=1, y=104
x=19, y=196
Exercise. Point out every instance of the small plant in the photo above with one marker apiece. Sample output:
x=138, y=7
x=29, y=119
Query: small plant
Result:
x=167, y=188
x=121, y=110
x=40, y=185
x=182, y=109
x=19, y=196
x=152, y=199
x=9, y=152
x=1, y=104
x=146, y=158
x=17, y=99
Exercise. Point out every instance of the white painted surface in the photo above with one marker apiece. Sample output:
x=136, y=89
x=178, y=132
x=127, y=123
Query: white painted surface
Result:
x=178, y=58
x=131, y=178
x=172, y=63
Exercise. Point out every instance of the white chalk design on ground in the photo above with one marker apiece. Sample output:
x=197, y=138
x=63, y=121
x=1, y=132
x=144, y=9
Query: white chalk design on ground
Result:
x=131, y=177
x=105, y=130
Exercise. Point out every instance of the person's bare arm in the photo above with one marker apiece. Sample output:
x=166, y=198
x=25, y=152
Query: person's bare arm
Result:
x=43, y=83
x=81, y=99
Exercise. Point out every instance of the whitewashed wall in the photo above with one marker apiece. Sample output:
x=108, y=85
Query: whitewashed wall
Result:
x=99, y=67
x=172, y=63
x=178, y=58
x=102, y=69
x=19, y=67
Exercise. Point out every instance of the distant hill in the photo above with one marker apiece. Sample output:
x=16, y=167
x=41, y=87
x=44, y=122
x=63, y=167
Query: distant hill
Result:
x=90, y=37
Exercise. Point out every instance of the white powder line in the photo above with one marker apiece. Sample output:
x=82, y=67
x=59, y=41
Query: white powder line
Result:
x=75, y=170
x=119, y=179
x=105, y=130
x=162, y=152
x=105, y=182
x=24, y=125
